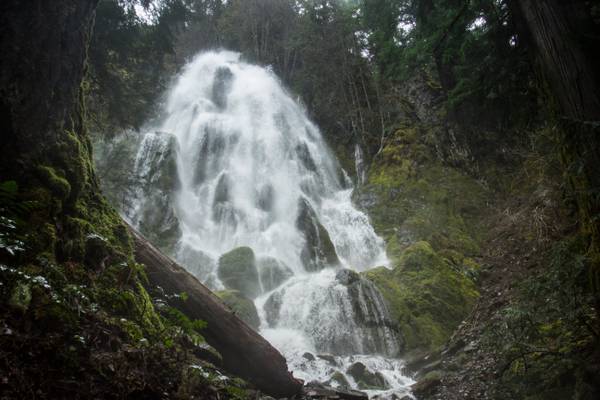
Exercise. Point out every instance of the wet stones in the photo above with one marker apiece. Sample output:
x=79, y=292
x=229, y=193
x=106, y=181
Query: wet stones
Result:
x=365, y=378
x=347, y=276
x=318, y=251
x=237, y=270
x=272, y=308
x=338, y=380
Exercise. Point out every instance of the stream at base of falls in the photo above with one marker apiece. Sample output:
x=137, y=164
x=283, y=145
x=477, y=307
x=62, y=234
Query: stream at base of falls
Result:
x=252, y=200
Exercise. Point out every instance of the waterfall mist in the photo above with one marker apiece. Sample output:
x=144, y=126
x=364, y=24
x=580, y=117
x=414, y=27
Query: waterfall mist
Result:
x=250, y=169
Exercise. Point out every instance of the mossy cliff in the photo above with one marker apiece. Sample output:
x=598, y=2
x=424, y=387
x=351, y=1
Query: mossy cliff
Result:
x=428, y=210
x=77, y=318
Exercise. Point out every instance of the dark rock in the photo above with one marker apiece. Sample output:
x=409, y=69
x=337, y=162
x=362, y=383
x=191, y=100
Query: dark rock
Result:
x=427, y=385
x=308, y=356
x=365, y=378
x=237, y=270
x=304, y=155
x=266, y=197
x=222, y=190
x=272, y=273
x=318, y=251
x=272, y=308
x=221, y=86
x=347, y=276
x=316, y=390
x=338, y=380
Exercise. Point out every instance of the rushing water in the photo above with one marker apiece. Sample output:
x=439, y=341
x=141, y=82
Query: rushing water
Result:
x=252, y=170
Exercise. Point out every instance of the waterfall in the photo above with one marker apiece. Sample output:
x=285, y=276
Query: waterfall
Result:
x=237, y=164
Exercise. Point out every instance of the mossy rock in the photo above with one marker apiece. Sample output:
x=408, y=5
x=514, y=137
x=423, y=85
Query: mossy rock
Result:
x=411, y=195
x=237, y=270
x=242, y=306
x=427, y=385
x=367, y=380
x=338, y=380
x=427, y=297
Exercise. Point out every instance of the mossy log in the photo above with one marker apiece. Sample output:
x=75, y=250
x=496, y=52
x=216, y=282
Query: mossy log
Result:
x=245, y=352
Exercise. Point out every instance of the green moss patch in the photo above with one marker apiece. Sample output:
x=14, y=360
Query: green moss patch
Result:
x=427, y=297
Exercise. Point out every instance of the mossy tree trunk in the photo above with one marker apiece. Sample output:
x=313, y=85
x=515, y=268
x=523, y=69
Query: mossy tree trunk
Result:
x=43, y=45
x=567, y=60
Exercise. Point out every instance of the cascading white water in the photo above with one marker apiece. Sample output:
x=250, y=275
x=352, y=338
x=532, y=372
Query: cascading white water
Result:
x=254, y=171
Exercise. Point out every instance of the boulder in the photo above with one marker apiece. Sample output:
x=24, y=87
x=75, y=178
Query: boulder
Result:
x=338, y=380
x=318, y=251
x=272, y=273
x=347, y=277
x=427, y=385
x=316, y=390
x=242, y=306
x=237, y=270
x=427, y=298
x=365, y=378
x=272, y=308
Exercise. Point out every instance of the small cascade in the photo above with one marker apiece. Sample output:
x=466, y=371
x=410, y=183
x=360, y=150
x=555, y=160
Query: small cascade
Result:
x=244, y=187
x=359, y=165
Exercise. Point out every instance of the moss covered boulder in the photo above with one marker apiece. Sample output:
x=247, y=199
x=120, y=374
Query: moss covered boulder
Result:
x=428, y=298
x=237, y=270
x=365, y=378
x=242, y=306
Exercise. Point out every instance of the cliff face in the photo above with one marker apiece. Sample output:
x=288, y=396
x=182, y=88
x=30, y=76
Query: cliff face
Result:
x=489, y=272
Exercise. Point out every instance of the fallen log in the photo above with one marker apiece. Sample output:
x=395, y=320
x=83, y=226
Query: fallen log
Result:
x=245, y=353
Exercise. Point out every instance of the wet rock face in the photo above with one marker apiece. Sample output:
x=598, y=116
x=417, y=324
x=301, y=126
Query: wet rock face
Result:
x=365, y=378
x=347, y=277
x=242, y=306
x=272, y=273
x=221, y=86
x=371, y=313
x=272, y=308
x=237, y=270
x=155, y=174
x=318, y=251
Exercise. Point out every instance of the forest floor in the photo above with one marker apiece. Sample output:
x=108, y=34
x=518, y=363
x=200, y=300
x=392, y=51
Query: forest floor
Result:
x=523, y=228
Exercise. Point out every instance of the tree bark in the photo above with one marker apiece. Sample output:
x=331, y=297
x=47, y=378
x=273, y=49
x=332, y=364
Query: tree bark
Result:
x=244, y=351
x=574, y=83
x=568, y=69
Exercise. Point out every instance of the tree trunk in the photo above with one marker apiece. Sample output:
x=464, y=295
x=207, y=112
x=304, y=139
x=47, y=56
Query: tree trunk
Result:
x=568, y=68
x=244, y=351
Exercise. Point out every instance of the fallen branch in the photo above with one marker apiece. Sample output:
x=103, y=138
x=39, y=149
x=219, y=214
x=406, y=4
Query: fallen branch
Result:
x=245, y=353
